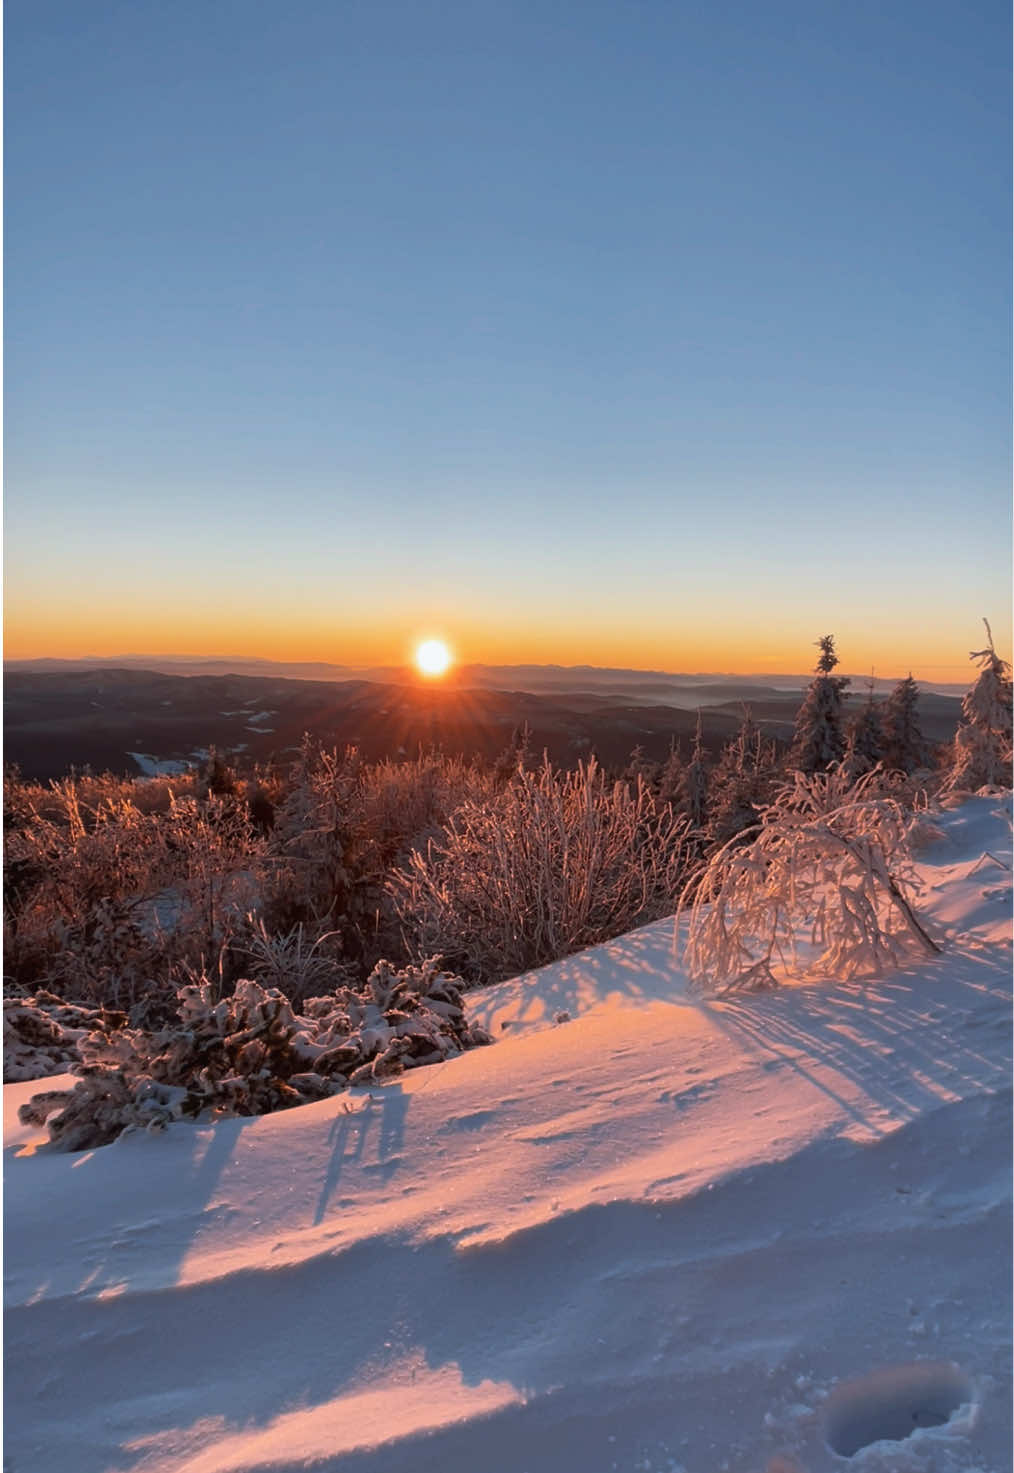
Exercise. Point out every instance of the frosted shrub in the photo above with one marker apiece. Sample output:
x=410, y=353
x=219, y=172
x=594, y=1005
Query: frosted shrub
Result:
x=215, y=850
x=695, y=782
x=296, y=966
x=75, y=877
x=116, y=891
x=342, y=827
x=325, y=865
x=343, y=819
x=821, y=891
x=107, y=900
x=405, y=802
x=551, y=863
x=253, y=1053
x=822, y=793
x=42, y=1034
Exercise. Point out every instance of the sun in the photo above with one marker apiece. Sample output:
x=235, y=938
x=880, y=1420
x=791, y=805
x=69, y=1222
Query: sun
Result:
x=432, y=657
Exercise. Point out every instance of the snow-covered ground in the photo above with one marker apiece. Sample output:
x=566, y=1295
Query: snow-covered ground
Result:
x=660, y=1234
x=159, y=766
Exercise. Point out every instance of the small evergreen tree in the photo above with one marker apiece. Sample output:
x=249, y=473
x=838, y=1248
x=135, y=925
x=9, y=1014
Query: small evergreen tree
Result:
x=906, y=748
x=641, y=767
x=695, y=794
x=819, y=739
x=865, y=743
x=739, y=782
x=515, y=757
x=672, y=775
x=218, y=777
x=982, y=743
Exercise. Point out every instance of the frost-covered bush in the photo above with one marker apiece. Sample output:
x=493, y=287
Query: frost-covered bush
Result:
x=253, y=1053
x=118, y=891
x=92, y=884
x=76, y=875
x=295, y=965
x=42, y=1034
x=342, y=826
x=549, y=864
x=822, y=890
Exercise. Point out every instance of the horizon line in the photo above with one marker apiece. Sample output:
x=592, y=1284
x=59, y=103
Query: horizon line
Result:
x=180, y=658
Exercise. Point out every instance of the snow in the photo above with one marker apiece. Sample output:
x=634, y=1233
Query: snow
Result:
x=668, y=1234
x=159, y=766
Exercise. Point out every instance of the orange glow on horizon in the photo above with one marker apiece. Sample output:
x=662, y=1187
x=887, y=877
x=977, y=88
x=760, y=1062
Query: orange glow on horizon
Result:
x=726, y=644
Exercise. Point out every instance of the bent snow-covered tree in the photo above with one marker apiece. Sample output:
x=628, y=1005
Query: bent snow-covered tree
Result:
x=982, y=742
x=819, y=739
x=822, y=890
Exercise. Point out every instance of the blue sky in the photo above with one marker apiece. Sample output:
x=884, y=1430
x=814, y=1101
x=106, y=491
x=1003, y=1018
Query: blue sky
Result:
x=653, y=334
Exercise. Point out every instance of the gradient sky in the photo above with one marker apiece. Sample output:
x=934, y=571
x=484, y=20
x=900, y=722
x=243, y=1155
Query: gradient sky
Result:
x=659, y=334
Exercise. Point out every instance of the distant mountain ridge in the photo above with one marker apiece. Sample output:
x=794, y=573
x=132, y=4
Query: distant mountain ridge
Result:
x=131, y=720
x=535, y=678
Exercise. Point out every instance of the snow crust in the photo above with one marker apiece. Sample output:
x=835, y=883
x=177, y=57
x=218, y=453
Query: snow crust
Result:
x=645, y=1231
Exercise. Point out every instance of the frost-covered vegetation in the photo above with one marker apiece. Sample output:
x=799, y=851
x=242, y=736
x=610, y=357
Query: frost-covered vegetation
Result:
x=982, y=743
x=823, y=888
x=202, y=942
x=251, y=1053
x=549, y=864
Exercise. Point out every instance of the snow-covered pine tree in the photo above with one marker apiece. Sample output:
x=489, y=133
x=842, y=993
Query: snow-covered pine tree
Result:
x=819, y=739
x=672, y=775
x=906, y=749
x=695, y=795
x=738, y=782
x=217, y=777
x=865, y=744
x=641, y=767
x=982, y=742
x=515, y=756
